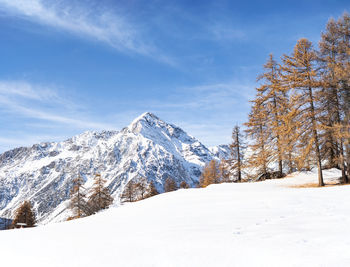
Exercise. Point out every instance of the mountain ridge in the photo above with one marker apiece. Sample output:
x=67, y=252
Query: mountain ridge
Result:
x=147, y=148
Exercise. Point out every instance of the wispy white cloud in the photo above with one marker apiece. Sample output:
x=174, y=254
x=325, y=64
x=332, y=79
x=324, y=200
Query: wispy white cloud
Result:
x=41, y=103
x=104, y=26
x=53, y=118
x=209, y=96
x=33, y=113
x=26, y=90
x=226, y=32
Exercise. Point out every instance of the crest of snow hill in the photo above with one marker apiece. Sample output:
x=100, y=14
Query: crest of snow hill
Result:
x=148, y=149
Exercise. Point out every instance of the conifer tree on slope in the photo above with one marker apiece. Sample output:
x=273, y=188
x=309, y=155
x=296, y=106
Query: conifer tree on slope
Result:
x=184, y=185
x=210, y=174
x=272, y=95
x=237, y=153
x=259, y=134
x=170, y=185
x=100, y=197
x=138, y=189
x=129, y=193
x=152, y=191
x=78, y=203
x=343, y=74
x=226, y=168
x=331, y=96
x=141, y=187
x=24, y=215
x=289, y=126
x=300, y=72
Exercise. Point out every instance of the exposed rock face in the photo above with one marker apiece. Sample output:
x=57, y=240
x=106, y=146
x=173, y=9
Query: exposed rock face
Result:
x=148, y=148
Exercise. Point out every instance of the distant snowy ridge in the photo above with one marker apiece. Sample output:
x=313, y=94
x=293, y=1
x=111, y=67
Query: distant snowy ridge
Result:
x=221, y=151
x=148, y=147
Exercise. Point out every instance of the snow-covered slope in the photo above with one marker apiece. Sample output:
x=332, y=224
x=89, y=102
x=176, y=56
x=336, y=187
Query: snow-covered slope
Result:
x=221, y=151
x=148, y=148
x=250, y=224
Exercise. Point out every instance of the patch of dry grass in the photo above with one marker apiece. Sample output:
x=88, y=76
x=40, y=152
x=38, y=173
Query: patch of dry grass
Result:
x=312, y=185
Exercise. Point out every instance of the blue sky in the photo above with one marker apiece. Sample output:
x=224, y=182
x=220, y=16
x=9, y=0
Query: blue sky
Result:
x=69, y=66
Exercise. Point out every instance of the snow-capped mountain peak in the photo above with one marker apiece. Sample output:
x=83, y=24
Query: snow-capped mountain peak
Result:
x=148, y=148
x=148, y=123
x=144, y=119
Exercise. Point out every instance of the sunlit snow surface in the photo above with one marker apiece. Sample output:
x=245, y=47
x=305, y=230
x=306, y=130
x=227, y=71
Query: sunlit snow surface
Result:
x=249, y=224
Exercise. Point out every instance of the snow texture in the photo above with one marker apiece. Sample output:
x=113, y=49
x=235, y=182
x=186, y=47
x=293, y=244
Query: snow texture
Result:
x=265, y=223
x=148, y=148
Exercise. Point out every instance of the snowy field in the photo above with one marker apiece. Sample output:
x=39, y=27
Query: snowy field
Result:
x=250, y=224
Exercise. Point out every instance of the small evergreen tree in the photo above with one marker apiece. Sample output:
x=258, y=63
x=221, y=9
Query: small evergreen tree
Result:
x=290, y=137
x=237, y=153
x=152, y=190
x=100, y=197
x=129, y=193
x=210, y=174
x=225, y=170
x=259, y=134
x=272, y=95
x=78, y=203
x=184, y=185
x=141, y=188
x=170, y=185
x=25, y=216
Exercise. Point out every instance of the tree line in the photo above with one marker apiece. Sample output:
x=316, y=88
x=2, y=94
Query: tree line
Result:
x=300, y=116
x=83, y=203
x=140, y=189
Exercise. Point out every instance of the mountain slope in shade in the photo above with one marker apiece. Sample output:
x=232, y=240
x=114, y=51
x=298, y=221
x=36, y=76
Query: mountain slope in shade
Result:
x=148, y=147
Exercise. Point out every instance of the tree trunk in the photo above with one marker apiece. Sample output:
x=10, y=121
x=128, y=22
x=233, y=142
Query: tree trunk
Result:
x=348, y=161
x=280, y=162
x=346, y=95
x=238, y=158
x=290, y=163
x=341, y=143
x=263, y=152
x=329, y=150
x=315, y=136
